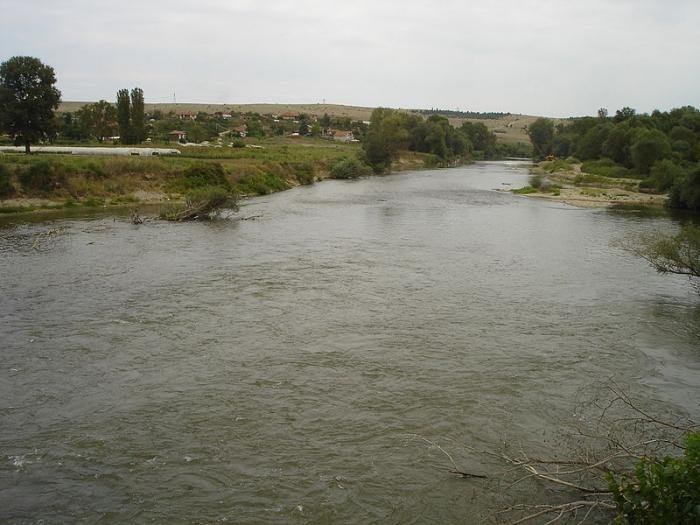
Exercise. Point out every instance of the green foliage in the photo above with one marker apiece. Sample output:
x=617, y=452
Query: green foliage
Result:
x=556, y=165
x=350, y=168
x=678, y=254
x=137, y=117
x=261, y=184
x=685, y=192
x=663, y=176
x=606, y=168
x=519, y=149
x=541, y=133
x=393, y=131
x=303, y=172
x=590, y=145
x=28, y=99
x=43, y=177
x=6, y=187
x=98, y=120
x=204, y=174
x=662, y=491
x=649, y=146
x=124, y=116
x=130, y=116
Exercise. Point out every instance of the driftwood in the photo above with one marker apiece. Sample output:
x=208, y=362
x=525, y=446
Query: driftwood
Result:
x=201, y=208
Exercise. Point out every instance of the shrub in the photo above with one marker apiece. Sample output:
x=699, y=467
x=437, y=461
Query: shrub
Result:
x=6, y=187
x=261, y=184
x=606, y=168
x=662, y=490
x=685, y=192
x=663, y=175
x=303, y=172
x=203, y=174
x=238, y=143
x=556, y=165
x=42, y=176
x=350, y=168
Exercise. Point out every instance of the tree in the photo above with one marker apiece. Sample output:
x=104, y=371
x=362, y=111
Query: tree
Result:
x=677, y=254
x=130, y=116
x=541, y=133
x=138, y=131
x=28, y=99
x=98, y=119
x=649, y=146
x=124, y=116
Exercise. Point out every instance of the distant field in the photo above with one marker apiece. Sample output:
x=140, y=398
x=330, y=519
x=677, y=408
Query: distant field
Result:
x=509, y=128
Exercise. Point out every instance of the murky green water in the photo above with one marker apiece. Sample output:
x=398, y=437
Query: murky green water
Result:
x=278, y=370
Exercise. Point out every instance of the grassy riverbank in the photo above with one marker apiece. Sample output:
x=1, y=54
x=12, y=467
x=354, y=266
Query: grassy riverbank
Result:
x=45, y=182
x=588, y=185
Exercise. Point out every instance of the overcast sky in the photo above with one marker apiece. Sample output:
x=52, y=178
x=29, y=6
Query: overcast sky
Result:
x=543, y=57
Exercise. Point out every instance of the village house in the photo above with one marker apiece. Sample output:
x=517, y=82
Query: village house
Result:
x=177, y=136
x=289, y=115
x=342, y=136
x=182, y=115
x=241, y=131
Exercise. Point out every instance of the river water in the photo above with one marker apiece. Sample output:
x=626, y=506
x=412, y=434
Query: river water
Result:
x=304, y=366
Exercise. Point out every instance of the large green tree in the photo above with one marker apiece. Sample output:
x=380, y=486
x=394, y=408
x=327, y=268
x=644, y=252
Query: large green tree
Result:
x=130, y=116
x=541, y=133
x=649, y=146
x=124, y=116
x=99, y=120
x=28, y=98
x=138, y=118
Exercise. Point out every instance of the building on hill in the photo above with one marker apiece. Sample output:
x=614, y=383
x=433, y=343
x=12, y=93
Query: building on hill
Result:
x=241, y=131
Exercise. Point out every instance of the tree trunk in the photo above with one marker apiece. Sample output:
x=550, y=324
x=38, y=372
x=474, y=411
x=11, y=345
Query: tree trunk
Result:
x=26, y=147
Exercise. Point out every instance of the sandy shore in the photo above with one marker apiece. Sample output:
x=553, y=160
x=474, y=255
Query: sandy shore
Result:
x=608, y=192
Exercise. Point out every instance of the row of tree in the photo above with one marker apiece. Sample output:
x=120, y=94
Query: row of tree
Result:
x=663, y=148
x=392, y=131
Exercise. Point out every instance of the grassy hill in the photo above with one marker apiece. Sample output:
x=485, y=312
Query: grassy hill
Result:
x=509, y=128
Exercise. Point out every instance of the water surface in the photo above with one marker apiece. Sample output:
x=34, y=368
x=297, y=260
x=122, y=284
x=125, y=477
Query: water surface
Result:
x=296, y=367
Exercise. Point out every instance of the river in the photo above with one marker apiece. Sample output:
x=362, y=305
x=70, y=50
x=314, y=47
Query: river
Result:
x=305, y=365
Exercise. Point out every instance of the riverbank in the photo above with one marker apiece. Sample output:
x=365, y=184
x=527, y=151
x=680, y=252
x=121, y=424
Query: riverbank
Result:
x=46, y=183
x=563, y=181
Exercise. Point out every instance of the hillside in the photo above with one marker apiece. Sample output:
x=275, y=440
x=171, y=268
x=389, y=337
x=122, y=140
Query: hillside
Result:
x=509, y=128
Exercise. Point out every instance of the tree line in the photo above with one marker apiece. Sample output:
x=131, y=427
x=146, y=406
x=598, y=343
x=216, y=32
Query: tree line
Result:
x=392, y=131
x=663, y=148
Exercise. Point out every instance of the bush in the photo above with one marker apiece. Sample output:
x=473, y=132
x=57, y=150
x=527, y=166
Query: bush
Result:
x=685, y=192
x=350, y=168
x=663, y=175
x=42, y=176
x=303, y=172
x=238, y=143
x=203, y=174
x=556, y=165
x=606, y=168
x=261, y=184
x=6, y=187
x=662, y=490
